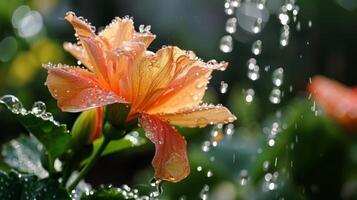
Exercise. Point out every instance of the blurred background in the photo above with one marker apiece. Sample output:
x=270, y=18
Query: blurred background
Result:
x=282, y=145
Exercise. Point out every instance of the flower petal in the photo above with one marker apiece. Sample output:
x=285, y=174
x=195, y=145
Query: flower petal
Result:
x=122, y=30
x=117, y=32
x=188, y=86
x=76, y=89
x=151, y=75
x=336, y=99
x=78, y=52
x=170, y=161
x=96, y=57
x=80, y=25
x=200, y=116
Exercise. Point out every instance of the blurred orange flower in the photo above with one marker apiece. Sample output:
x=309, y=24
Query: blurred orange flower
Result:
x=337, y=100
x=163, y=88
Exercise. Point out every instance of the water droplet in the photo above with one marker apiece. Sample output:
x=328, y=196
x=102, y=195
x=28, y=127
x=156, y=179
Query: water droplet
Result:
x=231, y=25
x=144, y=29
x=204, y=192
x=226, y=44
x=206, y=146
x=257, y=27
x=38, y=108
x=284, y=18
x=278, y=76
x=257, y=47
x=253, y=69
x=243, y=177
x=13, y=104
x=249, y=95
x=209, y=173
x=275, y=96
x=310, y=23
x=284, y=36
x=199, y=168
x=229, y=129
x=224, y=87
x=261, y=4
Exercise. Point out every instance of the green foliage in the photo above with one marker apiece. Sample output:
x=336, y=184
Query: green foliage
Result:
x=108, y=194
x=14, y=186
x=24, y=154
x=55, y=138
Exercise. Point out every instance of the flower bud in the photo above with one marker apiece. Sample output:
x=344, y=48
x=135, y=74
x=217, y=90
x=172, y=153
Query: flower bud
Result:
x=87, y=127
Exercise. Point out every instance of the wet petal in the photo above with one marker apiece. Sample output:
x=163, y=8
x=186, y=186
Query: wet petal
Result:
x=170, y=161
x=80, y=25
x=119, y=62
x=151, y=75
x=200, y=116
x=339, y=101
x=122, y=30
x=145, y=38
x=188, y=86
x=76, y=89
x=118, y=31
x=96, y=57
x=78, y=52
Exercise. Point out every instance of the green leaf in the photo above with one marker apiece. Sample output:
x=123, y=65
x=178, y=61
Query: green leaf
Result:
x=14, y=186
x=24, y=154
x=10, y=187
x=108, y=194
x=53, y=136
x=130, y=140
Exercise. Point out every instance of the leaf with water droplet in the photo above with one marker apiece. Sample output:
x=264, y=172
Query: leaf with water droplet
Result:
x=22, y=186
x=24, y=154
x=53, y=136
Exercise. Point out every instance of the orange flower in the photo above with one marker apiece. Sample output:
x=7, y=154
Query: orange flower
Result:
x=337, y=100
x=162, y=87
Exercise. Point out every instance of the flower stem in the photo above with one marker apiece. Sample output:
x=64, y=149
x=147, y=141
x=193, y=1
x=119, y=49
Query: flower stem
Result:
x=90, y=164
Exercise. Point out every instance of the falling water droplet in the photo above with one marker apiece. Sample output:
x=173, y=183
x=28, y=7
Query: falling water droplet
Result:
x=38, y=108
x=284, y=36
x=229, y=129
x=224, y=87
x=243, y=177
x=278, y=76
x=310, y=23
x=209, y=173
x=204, y=192
x=275, y=96
x=226, y=44
x=231, y=25
x=284, y=18
x=298, y=26
x=199, y=168
x=253, y=69
x=249, y=95
x=257, y=47
x=206, y=146
x=261, y=4
x=257, y=27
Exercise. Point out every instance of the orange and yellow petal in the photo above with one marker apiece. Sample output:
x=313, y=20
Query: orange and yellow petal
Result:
x=118, y=31
x=78, y=52
x=337, y=100
x=188, y=86
x=76, y=89
x=170, y=161
x=200, y=116
x=80, y=25
x=151, y=75
x=96, y=57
